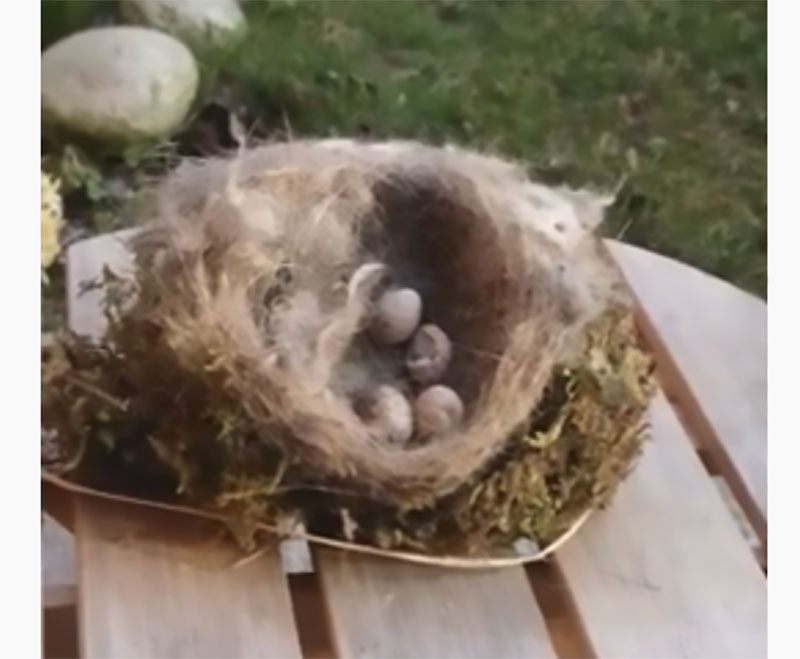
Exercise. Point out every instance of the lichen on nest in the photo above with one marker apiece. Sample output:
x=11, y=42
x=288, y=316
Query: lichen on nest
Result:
x=226, y=377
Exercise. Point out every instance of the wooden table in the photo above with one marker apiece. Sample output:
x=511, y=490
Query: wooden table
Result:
x=674, y=568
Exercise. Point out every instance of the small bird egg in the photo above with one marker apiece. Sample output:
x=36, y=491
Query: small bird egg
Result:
x=437, y=409
x=388, y=414
x=396, y=315
x=429, y=354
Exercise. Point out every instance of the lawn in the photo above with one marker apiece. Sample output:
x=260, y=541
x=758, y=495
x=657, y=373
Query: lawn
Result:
x=665, y=101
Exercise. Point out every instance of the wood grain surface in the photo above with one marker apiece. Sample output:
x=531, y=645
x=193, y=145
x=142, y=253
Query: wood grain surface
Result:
x=163, y=585
x=382, y=608
x=714, y=338
x=664, y=571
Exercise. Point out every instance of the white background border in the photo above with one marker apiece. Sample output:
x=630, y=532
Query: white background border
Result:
x=20, y=539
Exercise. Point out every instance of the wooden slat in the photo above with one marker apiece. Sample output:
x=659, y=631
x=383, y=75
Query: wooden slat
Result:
x=58, y=563
x=154, y=584
x=664, y=571
x=383, y=608
x=716, y=338
x=158, y=584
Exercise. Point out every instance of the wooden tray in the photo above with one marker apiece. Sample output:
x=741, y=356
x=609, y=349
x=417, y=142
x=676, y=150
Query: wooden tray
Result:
x=675, y=568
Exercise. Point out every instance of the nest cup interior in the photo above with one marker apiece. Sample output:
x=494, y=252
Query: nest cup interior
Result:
x=446, y=250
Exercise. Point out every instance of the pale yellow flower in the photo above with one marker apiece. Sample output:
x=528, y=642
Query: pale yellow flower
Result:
x=51, y=219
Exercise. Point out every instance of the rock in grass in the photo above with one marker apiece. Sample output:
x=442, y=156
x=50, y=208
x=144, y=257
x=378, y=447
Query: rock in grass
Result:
x=118, y=84
x=200, y=23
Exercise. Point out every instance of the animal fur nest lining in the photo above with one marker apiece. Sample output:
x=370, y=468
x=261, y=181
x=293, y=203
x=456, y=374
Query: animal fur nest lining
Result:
x=256, y=281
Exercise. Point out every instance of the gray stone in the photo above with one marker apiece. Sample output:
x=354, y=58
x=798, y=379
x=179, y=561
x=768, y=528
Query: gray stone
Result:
x=118, y=84
x=200, y=23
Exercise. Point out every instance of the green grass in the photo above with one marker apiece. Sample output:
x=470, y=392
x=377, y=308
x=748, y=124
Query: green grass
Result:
x=668, y=96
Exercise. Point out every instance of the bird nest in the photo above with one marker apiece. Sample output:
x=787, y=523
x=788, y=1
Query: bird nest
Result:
x=386, y=346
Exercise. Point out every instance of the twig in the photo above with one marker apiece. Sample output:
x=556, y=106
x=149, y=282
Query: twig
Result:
x=246, y=560
x=122, y=406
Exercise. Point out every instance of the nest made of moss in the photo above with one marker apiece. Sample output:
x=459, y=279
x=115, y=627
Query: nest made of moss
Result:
x=235, y=359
